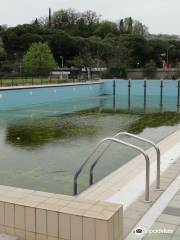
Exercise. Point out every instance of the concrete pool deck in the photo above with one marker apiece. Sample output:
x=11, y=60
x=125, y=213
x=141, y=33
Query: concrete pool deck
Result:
x=164, y=215
x=110, y=188
x=169, y=220
x=97, y=213
x=119, y=186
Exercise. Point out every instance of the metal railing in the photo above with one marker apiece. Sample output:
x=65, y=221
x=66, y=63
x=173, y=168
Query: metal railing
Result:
x=28, y=81
x=144, y=95
x=158, y=171
x=95, y=163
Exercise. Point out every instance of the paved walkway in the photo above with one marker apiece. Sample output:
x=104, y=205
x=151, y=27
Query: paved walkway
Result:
x=168, y=220
x=6, y=237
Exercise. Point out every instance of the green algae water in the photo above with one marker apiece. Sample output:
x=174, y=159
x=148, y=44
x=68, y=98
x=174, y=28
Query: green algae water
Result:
x=43, y=150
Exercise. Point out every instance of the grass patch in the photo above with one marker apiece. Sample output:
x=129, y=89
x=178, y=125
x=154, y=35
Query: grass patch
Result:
x=34, y=133
x=33, y=81
x=37, y=132
x=154, y=120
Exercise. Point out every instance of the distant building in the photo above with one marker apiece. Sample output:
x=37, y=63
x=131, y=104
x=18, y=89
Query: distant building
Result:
x=60, y=74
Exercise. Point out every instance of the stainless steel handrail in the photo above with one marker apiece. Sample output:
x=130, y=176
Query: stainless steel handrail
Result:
x=94, y=164
x=136, y=148
x=75, y=192
x=141, y=139
x=158, y=174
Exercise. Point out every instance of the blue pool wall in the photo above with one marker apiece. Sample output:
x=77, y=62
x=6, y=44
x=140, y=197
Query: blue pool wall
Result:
x=137, y=87
x=86, y=95
x=23, y=97
x=153, y=93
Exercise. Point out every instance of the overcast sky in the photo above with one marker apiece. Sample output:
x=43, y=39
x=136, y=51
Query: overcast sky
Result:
x=160, y=16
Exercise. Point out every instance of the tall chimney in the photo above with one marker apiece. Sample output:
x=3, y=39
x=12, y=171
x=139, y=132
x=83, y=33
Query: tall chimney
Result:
x=50, y=18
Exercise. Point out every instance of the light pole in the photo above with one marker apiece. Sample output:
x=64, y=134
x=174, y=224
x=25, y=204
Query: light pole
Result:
x=171, y=46
x=62, y=59
x=20, y=68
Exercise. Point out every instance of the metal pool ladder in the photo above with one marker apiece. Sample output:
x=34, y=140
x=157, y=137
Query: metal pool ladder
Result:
x=116, y=140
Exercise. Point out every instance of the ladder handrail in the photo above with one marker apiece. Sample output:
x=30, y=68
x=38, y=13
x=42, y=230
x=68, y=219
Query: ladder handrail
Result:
x=112, y=139
x=82, y=167
x=123, y=143
x=141, y=139
x=158, y=173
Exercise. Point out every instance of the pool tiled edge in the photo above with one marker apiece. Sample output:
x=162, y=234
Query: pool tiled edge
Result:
x=50, y=85
x=37, y=215
x=110, y=185
x=115, y=182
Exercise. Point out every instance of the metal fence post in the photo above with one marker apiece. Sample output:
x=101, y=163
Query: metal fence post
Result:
x=114, y=95
x=129, y=95
x=178, y=96
x=145, y=94
x=161, y=95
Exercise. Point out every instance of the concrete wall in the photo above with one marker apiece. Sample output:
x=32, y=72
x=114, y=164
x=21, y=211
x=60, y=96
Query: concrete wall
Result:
x=159, y=74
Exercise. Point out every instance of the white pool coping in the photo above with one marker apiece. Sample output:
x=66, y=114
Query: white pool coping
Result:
x=50, y=85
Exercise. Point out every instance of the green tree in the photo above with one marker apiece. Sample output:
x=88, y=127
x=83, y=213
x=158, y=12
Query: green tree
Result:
x=139, y=28
x=106, y=27
x=150, y=69
x=73, y=22
x=65, y=19
x=128, y=25
x=2, y=55
x=2, y=28
x=39, y=59
x=127, y=51
x=121, y=26
x=131, y=26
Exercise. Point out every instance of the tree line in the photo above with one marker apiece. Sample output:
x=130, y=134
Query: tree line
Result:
x=84, y=40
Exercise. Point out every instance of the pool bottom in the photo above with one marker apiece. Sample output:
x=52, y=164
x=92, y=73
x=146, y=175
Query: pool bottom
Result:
x=43, y=153
x=48, y=209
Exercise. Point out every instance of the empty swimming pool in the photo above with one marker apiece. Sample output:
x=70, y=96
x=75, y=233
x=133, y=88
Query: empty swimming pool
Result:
x=42, y=142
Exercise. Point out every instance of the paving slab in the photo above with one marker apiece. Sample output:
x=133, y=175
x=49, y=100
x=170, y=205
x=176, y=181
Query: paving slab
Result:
x=6, y=237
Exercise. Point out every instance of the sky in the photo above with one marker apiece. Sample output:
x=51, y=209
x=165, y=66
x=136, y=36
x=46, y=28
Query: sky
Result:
x=160, y=16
